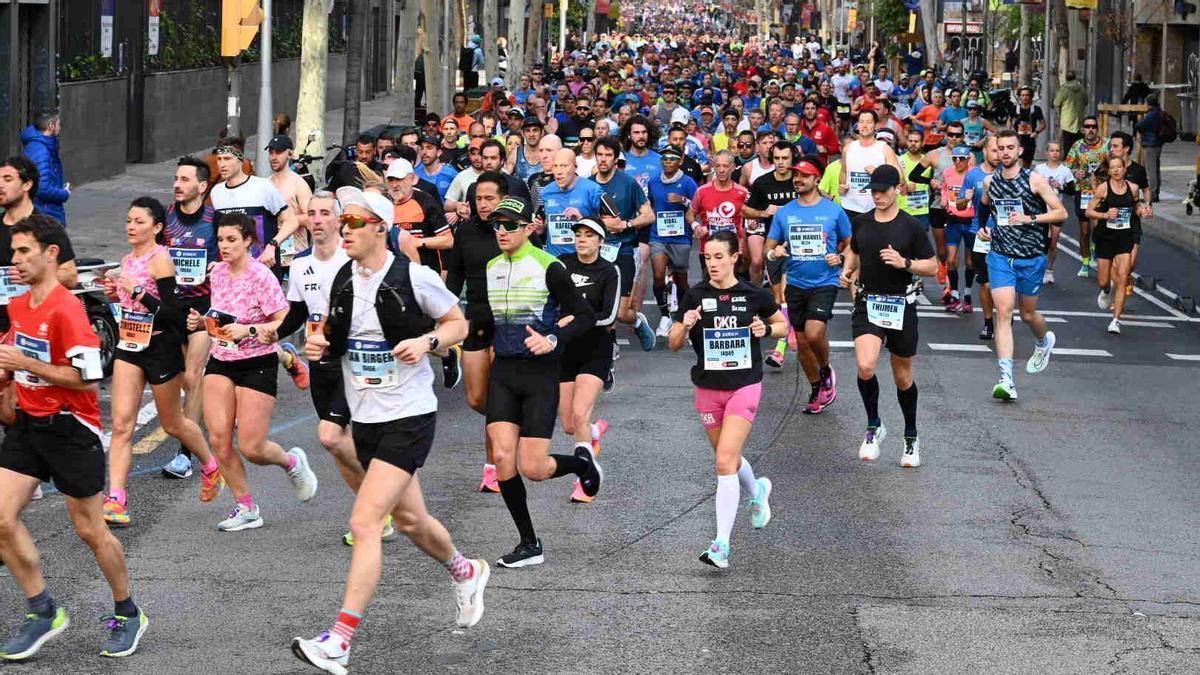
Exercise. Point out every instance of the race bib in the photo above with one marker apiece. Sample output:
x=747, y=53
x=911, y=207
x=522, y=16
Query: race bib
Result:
x=561, y=233
x=859, y=180
x=918, y=199
x=287, y=251
x=972, y=137
x=609, y=252
x=314, y=325
x=1085, y=199
x=886, y=311
x=1121, y=222
x=191, y=264
x=8, y=288
x=1006, y=209
x=372, y=365
x=670, y=224
x=1024, y=128
x=727, y=348
x=722, y=226
x=136, y=329
x=34, y=348
x=806, y=241
x=214, y=322
x=843, y=109
x=903, y=111
x=981, y=245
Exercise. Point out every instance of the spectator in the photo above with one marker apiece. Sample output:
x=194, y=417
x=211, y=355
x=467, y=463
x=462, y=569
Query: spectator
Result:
x=1150, y=129
x=40, y=141
x=1071, y=101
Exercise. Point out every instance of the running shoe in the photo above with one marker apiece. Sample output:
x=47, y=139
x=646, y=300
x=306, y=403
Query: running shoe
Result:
x=304, y=481
x=1005, y=390
x=869, y=450
x=241, y=518
x=942, y=276
x=664, y=327
x=327, y=652
x=911, y=457
x=116, y=514
x=389, y=532
x=1041, y=355
x=590, y=481
x=34, y=632
x=468, y=595
x=760, y=504
x=616, y=351
x=1094, y=263
x=610, y=379
x=947, y=296
x=645, y=333
x=987, y=333
x=813, y=407
x=672, y=296
x=965, y=307
x=1085, y=270
x=1104, y=299
x=954, y=306
x=1129, y=289
x=490, y=482
x=298, y=370
x=578, y=496
x=1048, y=278
x=210, y=485
x=524, y=555
x=828, y=392
x=716, y=555
x=452, y=368
x=37, y=493
x=774, y=359
x=1114, y=326
x=180, y=466
x=125, y=634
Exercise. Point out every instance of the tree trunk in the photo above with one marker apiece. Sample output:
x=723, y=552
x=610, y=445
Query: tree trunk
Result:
x=404, y=85
x=434, y=77
x=533, y=51
x=933, y=48
x=516, y=41
x=355, y=43
x=1023, y=75
x=310, y=104
x=490, y=30
x=590, y=24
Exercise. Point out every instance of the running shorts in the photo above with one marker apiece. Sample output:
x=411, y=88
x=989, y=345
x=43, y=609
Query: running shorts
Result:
x=902, y=343
x=1024, y=274
x=481, y=327
x=937, y=218
x=55, y=448
x=677, y=254
x=160, y=361
x=628, y=268
x=1110, y=243
x=714, y=405
x=328, y=392
x=257, y=372
x=589, y=354
x=957, y=230
x=524, y=393
x=404, y=443
x=809, y=304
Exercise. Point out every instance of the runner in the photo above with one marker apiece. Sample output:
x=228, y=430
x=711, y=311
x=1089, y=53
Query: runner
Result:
x=588, y=359
x=767, y=195
x=239, y=380
x=1024, y=203
x=1117, y=210
x=887, y=249
x=1084, y=158
x=149, y=351
x=916, y=202
x=958, y=228
x=859, y=160
x=565, y=200
x=972, y=192
x=1120, y=144
x=1062, y=180
x=1030, y=123
x=671, y=193
x=56, y=364
x=385, y=315
x=418, y=213
x=725, y=318
x=811, y=232
x=522, y=400
x=294, y=191
x=940, y=159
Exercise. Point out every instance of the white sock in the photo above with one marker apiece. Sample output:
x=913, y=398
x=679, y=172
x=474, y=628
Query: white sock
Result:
x=746, y=477
x=728, y=495
x=595, y=431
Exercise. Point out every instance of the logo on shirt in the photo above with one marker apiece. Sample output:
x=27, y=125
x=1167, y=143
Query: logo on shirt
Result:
x=581, y=280
x=708, y=305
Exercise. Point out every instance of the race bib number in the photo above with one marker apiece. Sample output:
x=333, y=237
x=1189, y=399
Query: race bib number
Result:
x=903, y=110
x=136, y=330
x=670, y=224
x=1121, y=222
x=1024, y=128
x=214, y=322
x=560, y=230
x=8, y=288
x=372, y=365
x=34, y=348
x=721, y=226
x=191, y=264
x=1006, y=209
x=314, y=325
x=1085, y=199
x=918, y=199
x=807, y=241
x=886, y=311
x=727, y=348
x=610, y=251
x=859, y=180
x=981, y=245
x=972, y=137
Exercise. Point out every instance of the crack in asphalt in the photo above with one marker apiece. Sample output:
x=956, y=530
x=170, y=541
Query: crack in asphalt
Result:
x=1163, y=645
x=868, y=659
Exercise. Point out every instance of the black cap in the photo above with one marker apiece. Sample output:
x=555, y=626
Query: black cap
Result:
x=884, y=177
x=512, y=208
x=532, y=121
x=670, y=152
x=432, y=139
x=280, y=142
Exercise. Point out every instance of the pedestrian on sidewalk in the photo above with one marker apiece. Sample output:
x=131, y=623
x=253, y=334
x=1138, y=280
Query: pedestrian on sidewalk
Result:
x=1071, y=100
x=40, y=144
x=1150, y=129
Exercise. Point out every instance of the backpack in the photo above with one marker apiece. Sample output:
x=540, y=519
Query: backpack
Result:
x=1168, y=129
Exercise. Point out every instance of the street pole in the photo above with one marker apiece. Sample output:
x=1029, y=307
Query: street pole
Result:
x=562, y=27
x=1049, y=71
x=449, y=81
x=1025, y=47
x=263, y=164
x=233, y=110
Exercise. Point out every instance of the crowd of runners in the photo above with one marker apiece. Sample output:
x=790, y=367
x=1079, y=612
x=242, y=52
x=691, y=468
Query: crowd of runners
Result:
x=505, y=249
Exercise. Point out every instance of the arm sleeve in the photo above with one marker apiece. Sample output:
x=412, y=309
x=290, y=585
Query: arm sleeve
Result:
x=297, y=314
x=917, y=175
x=570, y=301
x=165, y=307
x=610, y=298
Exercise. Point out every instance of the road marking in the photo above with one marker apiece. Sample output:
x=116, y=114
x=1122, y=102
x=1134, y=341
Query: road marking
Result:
x=1047, y=319
x=1147, y=324
x=1081, y=352
x=623, y=341
x=150, y=442
x=841, y=343
x=948, y=347
x=1149, y=298
x=937, y=315
x=1184, y=357
x=922, y=300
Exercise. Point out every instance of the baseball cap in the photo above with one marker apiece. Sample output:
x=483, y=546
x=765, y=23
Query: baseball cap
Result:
x=591, y=224
x=706, y=109
x=533, y=121
x=516, y=112
x=400, y=168
x=960, y=151
x=497, y=81
x=973, y=103
x=512, y=208
x=884, y=177
x=280, y=142
x=432, y=139
x=670, y=152
x=809, y=167
x=381, y=206
x=475, y=144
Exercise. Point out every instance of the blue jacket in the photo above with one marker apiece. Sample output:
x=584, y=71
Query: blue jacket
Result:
x=42, y=150
x=1149, y=127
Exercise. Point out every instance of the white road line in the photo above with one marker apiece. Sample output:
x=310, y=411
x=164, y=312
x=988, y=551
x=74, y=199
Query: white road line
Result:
x=147, y=413
x=1184, y=357
x=841, y=344
x=1047, y=319
x=922, y=300
x=1064, y=312
x=937, y=315
x=1146, y=324
x=1080, y=352
x=947, y=347
x=623, y=341
x=1149, y=298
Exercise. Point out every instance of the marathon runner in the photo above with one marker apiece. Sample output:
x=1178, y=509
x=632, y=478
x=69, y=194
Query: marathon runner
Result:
x=294, y=191
x=724, y=318
x=671, y=193
x=958, y=228
x=972, y=193
x=1084, y=159
x=1062, y=180
x=916, y=202
x=565, y=200
x=638, y=136
x=860, y=158
x=418, y=213
x=939, y=159
x=1117, y=210
x=1120, y=144
x=767, y=194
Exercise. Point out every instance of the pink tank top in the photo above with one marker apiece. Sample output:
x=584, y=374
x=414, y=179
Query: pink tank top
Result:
x=138, y=268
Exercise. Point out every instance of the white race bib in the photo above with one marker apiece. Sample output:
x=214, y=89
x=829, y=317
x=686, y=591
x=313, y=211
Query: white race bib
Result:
x=806, y=241
x=1122, y=221
x=372, y=365
x=34, y=348
x=670, y=224
x=727, y=348
x=136, y=330
x=609, y=252
x=561, y=233
x=886, y=311
x=982, y=245
x=1006, y=209
x=287, y=251
x=191, y=264
x=1085, y=199
x=8, y=288
x=918, y=199
x=859, y=180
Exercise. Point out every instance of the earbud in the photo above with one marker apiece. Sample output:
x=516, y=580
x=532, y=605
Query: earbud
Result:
x=382, y=229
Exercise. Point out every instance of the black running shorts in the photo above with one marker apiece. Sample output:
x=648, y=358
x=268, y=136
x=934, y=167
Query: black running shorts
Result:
x=524, y=393
x=328, y=392
x=902, y=343
x=56, y=448
x=404, y=443
x=258, y=373
x=809, y=304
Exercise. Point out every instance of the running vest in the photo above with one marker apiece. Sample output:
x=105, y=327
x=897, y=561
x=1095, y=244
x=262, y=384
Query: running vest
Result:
x=855, y=163
x=1126, y=206
x=1017, y=241
x=399, y=314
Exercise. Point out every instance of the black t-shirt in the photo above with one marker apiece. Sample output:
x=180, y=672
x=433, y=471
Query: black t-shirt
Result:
x=600, y=284
x=1136, y=173
x=1027, y=120
x=727, y=353
x=767, y=190
x=870, y=236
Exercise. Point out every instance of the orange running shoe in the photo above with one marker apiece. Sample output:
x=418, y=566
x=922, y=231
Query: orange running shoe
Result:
x=942, y=277
x=116, y=514
x=210, y=485
x=598, y=431
x=298, y=370
x=579, y=497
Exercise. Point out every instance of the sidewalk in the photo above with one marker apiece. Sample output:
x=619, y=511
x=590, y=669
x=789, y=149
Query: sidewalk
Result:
x=96, y=211
x=1171, y=222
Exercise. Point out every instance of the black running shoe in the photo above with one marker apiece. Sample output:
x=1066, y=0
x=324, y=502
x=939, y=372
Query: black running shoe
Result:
x=987, y=332
x=591, y=479
x=610, y=380
x=524, y=555
x=452, y=367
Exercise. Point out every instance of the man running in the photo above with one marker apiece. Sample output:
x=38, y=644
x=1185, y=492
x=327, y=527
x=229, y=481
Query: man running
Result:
x=767, y=195
x=972, y=193
x=671, y=193
x=940, y=159
x=294, y=191
x=859, y=161
x=1084, y=158
x=1024, y=205
x=565, y=201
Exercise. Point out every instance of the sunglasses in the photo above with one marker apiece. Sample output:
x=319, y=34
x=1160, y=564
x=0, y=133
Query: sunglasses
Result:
x=1089, y=126
x=355, y=222
x=586, y=139
x=506, y=225
x=745, y=145
x=954, y=135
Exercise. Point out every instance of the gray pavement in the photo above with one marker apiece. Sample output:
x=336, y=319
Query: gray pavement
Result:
x=1053, y=535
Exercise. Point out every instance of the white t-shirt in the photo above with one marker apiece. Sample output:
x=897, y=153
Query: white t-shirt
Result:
x=1060, y=175
x=457, y=192
x=311, y=281
x=257, y=198
x=407, y=391
x=584, y=167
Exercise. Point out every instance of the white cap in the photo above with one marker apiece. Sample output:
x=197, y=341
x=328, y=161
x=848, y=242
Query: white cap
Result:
x=399, y=168
x=680, y=115
x=381, y=206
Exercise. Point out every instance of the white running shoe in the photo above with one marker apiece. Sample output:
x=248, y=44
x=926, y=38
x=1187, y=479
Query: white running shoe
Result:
x=328, y=652
x=1104, y=299
x=1005, y=390
x=1048, y=277
x=37, y=493
x=1114, y=326
x=304, y=481
x=664, y=327
x=468, y=595
x=911, y=457
x=869, y=450
x=1041, y=355
x=760, y=505
x=241, y=518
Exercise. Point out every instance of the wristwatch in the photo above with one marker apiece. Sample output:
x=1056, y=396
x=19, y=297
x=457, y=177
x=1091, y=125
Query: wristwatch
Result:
x=433, y=342
x=553, y=340
x=253, y=331
x=907, y=263
x=137, y=292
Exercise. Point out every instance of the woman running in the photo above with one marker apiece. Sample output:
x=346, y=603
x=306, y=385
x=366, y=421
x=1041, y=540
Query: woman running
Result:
x=725, y=318
x=587, y=359
x=1117, y=212
x=240, y=378
x=149, y=351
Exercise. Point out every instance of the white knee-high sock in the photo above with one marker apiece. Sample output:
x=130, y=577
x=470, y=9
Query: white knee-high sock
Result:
x=746, y=478
x=728, y=495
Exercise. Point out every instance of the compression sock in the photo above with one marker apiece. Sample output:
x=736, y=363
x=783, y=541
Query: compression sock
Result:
x=1006, y=366
x=125, y=608
x=513, y=491
x=746, y=478
x=118, y=495
x=782, y=343
x=346, y=624
x=953, y=275
x=569, y=464
x=728, y=495
x=908, y=405
x=970, y=273
x=660, y=297
x=42, y=605
x=246, y=500
x=869, y=389
x=459, y=567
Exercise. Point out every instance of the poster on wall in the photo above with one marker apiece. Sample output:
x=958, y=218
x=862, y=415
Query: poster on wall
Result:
x=108, y=9
x=152, y=30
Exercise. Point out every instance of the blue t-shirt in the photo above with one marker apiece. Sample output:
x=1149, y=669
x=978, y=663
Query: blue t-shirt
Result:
x=629, y=197
x=584, y=195
x=640, y=169
x=669, y=225
x=952, y=114
x=441, y=180
x=810, y=232
x=974, y=181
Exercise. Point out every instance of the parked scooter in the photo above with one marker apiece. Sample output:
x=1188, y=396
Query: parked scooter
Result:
x=102, y=313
